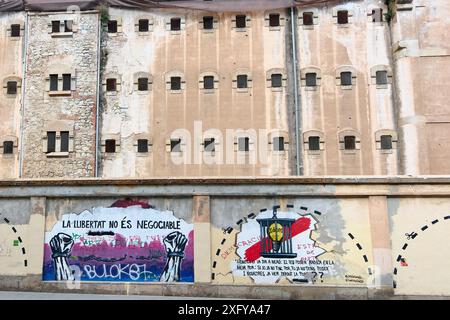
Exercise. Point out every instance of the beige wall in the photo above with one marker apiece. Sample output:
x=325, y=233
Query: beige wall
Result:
x=362, y=45
x=421, y=55
x=159, y=113
x=10, y=105
x=360, y=231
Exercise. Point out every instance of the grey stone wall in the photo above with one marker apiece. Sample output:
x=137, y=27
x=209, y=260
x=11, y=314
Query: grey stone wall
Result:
x=79, y=53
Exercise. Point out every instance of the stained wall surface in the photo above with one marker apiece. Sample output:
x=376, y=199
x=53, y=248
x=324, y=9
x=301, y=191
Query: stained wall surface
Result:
x=194, y=113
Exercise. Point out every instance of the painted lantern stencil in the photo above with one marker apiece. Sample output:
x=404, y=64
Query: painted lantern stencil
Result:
x=128, y=242
x=278, y=245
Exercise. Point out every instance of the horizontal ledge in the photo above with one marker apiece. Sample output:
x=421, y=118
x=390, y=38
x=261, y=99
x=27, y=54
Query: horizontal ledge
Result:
x=170, y=181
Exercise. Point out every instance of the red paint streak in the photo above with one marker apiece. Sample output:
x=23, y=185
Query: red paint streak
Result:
x=129, y=203
x=253, y=253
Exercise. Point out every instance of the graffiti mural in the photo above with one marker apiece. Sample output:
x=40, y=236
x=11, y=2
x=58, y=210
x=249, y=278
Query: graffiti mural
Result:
x=129, y=242
x=279, y=244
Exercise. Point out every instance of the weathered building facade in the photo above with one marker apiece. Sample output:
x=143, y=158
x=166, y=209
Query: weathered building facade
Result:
x=331, y=89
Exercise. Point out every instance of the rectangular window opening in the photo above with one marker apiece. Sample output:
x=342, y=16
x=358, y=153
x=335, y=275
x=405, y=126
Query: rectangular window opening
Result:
x=311, y=79
x=51, y=141
x=110, y=146
x=314, y=143
x=56, y=25
x=143, y=84
x=208, y=82
x=346, y=78
x=64, y=141
x=67, y=80
x=342, y=17
x=277, y=80
x=210, y=145
x=208, y=23
x=308, y=18
x=244, y=144
x=68, y=26
x=112, y=26
x=175, y=24
x=175, y=83
x=53, y=82
x=143, y=25
x=11, y=87
x=274, y=20
x=111, y=84
x=175, y=145
x=142, y=145
x=382, y=77
x=241, y=21
x=278, y=144
x=15, y=30
x=350, y=143
x=8, y=147
x=386, y=142
x=242, y=81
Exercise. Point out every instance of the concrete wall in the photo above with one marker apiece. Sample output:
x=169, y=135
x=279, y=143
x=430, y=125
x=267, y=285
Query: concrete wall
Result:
x=374, y=238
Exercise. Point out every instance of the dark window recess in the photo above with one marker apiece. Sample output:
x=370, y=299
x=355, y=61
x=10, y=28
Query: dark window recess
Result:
x=311, y=79
x=386, y=142
x=308, y=18
x=208, y=23
x=382, y=77
x=210, y=145
x=277, y=80
x=56, y=25
x=143, y=145
x=274, y=20
x=242, y=81
x=53, y=82
x=175, y=145
x=314, y=143
x=51, y=141
x=68, y=26
x=175, y=83
x=111, y=84
x=175, y=24
x=346, y=78
x=64, y=141
x=241, y=21
x=244, y=144
x=377, y=15
x=110, y=146
x=8, y=147
x=67, y=79
x=143, y=84
x=143, y=25
x=15, y=30
x=112, y=26
x=350, y=143
x=208, y=82
x=342, y=17
x=11, y=87
x=278, y=144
